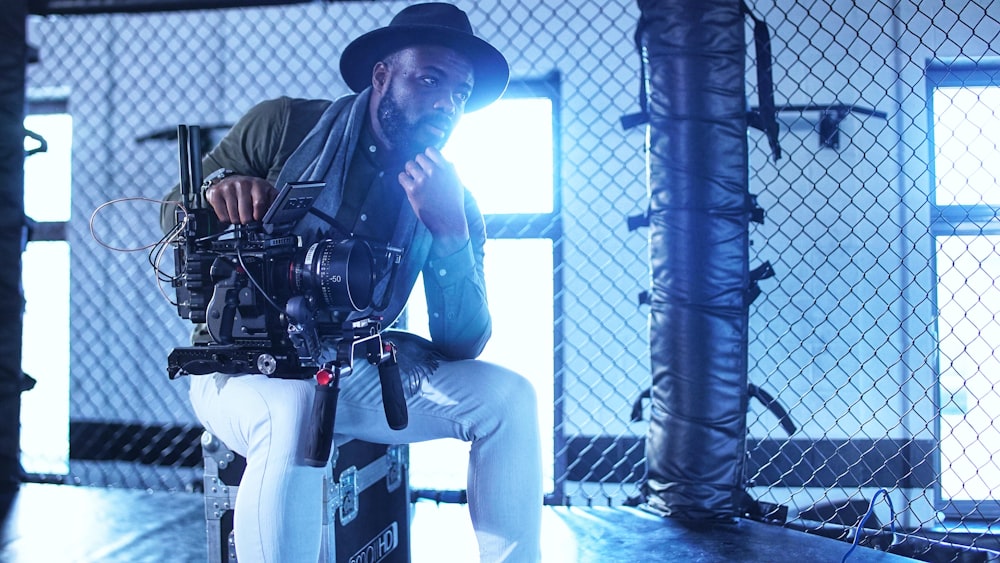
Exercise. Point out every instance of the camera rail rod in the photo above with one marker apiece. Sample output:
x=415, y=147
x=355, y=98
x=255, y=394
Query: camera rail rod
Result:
x=189, y=146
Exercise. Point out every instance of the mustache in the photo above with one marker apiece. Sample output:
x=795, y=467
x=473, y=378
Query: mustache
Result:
x=441, y=122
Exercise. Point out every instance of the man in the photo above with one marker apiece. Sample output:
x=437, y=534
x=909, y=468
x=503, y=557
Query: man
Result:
x=379, y=153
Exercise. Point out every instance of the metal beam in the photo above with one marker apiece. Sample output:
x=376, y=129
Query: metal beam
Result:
x=76, y=7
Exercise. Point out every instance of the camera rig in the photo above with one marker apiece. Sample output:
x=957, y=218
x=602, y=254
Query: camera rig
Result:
x=275, y=307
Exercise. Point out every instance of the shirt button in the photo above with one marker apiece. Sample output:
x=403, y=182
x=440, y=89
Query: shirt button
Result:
x=371, y=148
x=437, y=315
x=381, y=174
x=364, y=217
x=442, y=272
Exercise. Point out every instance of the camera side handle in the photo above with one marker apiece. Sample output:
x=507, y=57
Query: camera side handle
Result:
x=393, y=399
x=319, y=436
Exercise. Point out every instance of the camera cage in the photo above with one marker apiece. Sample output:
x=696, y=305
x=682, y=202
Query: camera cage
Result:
x=275, y=308
x=269, y=305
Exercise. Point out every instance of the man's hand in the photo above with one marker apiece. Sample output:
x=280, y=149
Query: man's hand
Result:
x=437, y=197
x=240, y=199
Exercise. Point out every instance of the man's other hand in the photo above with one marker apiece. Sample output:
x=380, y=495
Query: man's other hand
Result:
x=436, y=194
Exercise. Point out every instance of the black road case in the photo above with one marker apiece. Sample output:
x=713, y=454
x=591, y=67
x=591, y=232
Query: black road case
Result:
x=366, y=504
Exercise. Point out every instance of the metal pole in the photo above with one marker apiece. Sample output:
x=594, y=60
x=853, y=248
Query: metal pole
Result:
x=13, y=61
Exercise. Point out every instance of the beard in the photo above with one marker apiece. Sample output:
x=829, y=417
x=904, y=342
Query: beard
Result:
x=405, y=135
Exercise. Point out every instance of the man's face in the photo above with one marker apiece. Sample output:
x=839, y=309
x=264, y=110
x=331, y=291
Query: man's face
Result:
x=423, y=93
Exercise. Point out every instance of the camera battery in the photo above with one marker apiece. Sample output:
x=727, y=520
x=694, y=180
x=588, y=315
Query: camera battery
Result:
x=366, y=504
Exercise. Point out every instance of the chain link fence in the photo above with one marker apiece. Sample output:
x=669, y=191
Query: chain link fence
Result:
x=876, y=336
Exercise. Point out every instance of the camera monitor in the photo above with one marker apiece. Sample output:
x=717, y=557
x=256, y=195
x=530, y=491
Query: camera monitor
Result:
x=291, y=204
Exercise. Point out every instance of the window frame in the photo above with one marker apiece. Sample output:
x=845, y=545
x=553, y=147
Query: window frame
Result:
x=47, y=103
x=542, y=226
x=955, y=220
x=545, y=226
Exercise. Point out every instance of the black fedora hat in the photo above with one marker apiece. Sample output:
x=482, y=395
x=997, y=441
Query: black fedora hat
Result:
x=434, y=23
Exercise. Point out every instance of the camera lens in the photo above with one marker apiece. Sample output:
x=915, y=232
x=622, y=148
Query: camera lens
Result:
x=339, y=275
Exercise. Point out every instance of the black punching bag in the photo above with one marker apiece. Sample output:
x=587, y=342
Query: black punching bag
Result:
x=694, y=51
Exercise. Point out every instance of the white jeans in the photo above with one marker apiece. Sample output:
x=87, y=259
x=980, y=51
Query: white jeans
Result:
x=278, y=512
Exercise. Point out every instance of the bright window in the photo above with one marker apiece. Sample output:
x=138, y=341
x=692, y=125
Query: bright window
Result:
x=967, y=140
x=505, y=155
x=519, y=282
x=969, y=330
x=965, y=126
x=45, y=278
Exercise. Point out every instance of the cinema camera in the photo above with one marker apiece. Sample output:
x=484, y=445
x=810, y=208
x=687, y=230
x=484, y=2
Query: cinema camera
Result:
x=274, y=307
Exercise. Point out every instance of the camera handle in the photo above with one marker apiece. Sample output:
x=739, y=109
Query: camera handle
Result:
x=324, y=413
x=393, y=399
x=381, y=353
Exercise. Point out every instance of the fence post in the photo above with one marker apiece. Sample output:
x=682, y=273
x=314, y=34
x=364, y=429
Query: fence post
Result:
x=13, y=58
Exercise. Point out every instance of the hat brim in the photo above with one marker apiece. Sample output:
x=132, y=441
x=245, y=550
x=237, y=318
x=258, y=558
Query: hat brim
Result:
x=491, y=72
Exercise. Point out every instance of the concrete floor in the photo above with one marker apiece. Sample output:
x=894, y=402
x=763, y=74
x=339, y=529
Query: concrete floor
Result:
x=57, y=523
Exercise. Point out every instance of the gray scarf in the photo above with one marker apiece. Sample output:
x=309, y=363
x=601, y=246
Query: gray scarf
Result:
x=325, y=155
